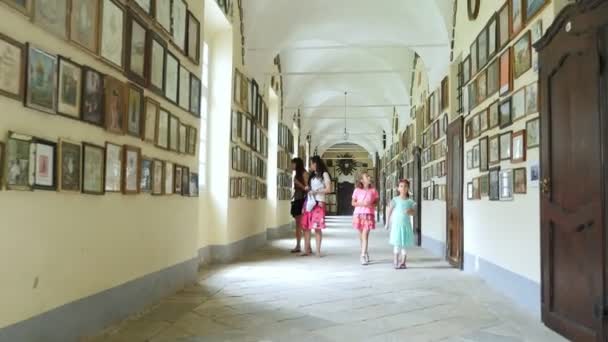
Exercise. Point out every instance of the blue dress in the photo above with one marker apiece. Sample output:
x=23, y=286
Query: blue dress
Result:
x=402, y=233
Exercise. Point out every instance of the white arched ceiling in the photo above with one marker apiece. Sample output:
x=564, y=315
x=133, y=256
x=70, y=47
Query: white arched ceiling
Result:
x=364, y=47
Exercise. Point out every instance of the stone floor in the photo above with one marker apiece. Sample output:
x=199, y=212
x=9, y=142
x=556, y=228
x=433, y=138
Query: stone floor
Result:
x=274, y=296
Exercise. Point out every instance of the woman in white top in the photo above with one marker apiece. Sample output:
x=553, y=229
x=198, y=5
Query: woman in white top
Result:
x=319, y=184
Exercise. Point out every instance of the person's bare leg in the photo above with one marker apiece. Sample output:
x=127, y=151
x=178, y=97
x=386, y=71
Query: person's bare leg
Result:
x=364, y=244
x=319, y=236
x=298, y=235
x=307, y=247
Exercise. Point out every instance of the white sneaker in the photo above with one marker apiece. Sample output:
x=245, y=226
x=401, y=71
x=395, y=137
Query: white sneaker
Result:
x=363, y=260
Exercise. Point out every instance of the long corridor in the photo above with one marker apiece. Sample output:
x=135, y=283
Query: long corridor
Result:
x=274, y=296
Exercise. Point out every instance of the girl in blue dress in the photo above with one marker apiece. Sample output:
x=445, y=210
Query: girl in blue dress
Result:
x=402, y=234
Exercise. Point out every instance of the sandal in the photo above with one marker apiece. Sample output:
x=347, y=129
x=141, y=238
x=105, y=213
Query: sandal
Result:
x=403, y=266
x=295, y=250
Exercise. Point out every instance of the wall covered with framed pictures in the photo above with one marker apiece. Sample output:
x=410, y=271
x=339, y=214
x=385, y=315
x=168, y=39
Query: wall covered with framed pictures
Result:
x=93, y=144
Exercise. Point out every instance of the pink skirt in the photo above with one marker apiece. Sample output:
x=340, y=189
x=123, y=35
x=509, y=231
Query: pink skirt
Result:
x=364, y=221
x=314, y=219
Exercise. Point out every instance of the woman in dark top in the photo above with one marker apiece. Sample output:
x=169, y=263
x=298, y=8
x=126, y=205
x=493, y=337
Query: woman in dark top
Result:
x=299, y=196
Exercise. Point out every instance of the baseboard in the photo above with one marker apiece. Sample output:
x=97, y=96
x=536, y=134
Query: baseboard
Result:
x=90, y=315
x=280, y=232
x=434, y=246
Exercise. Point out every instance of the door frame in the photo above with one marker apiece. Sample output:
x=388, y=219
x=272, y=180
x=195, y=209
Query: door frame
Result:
x=455, y=125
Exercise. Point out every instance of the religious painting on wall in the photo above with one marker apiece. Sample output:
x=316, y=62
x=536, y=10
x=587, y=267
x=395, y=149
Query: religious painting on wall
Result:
x=532, y=98
x=493, y=77
x=152, y=108
x=93, y=169
x=92, y=97
x=12, y=62
x=162, y=14
x=134, y=111
x=493, y=115
x=84, y=24
x=184, y=88
x=173, y=133
x=494, y=178
x=69, y=166
x=112, y=33
x=519, y=180
x=162, y=130
x=70, y=86
x=504, y=25
x=52, y=15
x=115, y=93
x=169, y=178
x=483, y=154
x=505, y=146
x=41, y=80
x=494, y=150
x=195, y=96
x=505, y=113
x=18, y=162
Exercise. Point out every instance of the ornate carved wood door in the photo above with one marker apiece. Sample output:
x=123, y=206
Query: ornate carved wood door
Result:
x=454, y=229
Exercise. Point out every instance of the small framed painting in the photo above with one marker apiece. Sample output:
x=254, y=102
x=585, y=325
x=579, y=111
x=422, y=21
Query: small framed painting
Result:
x=192, y=140
x=475, y=124
x=174, y=133
x=162, y=129
x=162, y=14
x=519, y=180
x=506, y=79
x=195, y=96
x=506, y=185
x=147, y=168
x=152, y=109
x=234, y=126
x=532, y=98
x=84, y=24
x=482, y=49
x=113, y=162
x=69, y=168
x=70, y=86
x=92, y=97
x=112, y=33
x=134, y=112
x=12, y=68
x=136, y=49
x=185, y=181
x=171, y=77
x=517, y=16
x=179, y=16
x=52, y=16
x=504, y=25
x=193, y=184
x=494, y=180
x=131, y=170
x=483, y=154
x=177, y=184
x=505, y=113
x=158, y=170
x=169, y=179
x=19, y=164
x=183, y=136
x=469, y=159
x=474, y=59
x=533, y=7
x=493, y=77
x=476, y=188
x=236, y=89
x=156, y=63
x=466, y=70
x=492, y=36
x=41, y=80
x=476, y=156
x=23, y=6
x=193, y=46
x=505, y=146
x=494, y=150
x=522, y=55
x=518, y=147
x=483, y=121
x=482, y=86
x=93, y=169
x=184, y=88
x=115, y=105
x=484, y=185
x=518, y=104
x=533, y=133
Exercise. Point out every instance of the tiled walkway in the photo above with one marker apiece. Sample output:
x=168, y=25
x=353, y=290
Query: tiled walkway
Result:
x=274, y=296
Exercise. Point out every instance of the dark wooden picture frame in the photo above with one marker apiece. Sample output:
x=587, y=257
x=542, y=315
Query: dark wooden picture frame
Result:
x=506, y=154
x=133, y=89
x=76, y=184
x=171, y=82
x=519, y=135
x=125, y=190
x=133, y=19
x=193, y=52
x=19, y=71
x=520, y=180
x=61, y=88
x=121, y=7
x=504, y=110
x=484, y=154
x=525, y=63
x=51, y=165
x=92, y=103
x=494, y=141
x=102, y=170
x=30, y=91
x=119, y=88
x=152, y=64
x=494, y=182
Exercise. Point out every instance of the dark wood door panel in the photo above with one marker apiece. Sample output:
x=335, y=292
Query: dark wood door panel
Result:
x=454, y=219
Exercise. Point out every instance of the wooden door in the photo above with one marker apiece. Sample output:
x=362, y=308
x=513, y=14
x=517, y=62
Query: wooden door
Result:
x=455, y=164
x=345, y=195
x=417, y=190
x=572, y=175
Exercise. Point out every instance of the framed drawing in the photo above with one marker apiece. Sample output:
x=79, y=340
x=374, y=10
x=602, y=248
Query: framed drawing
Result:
x=177, y=184
x=192, y=140
x=93, y=169
x=162, y=129
x=195, y=96
x=193, y=184
x=113, y=162
x=145, y=6
x=136, y=49
x=12, y=68
x=532, y=98
x=494, y=150
x=476, y=188
x=519, y=180
x=69, y=88
x=185, y=181
x=493, y=77
x=475, y=124
x=41, y=80
x=465, y=101
x=234, y=126
x=483, y=121
x=492, y=36
x=494, y=180
x=476, y=156
x=115, y=105
x=193, y=46
x=483, y=154
x=169, y=179
x=518, y=103
x=522, y=55
x=92, y=97
x=84, y=24
x=52, y=16
x=482, y=87
x=466, y=70
x=493, y=115
x=517, y=16
x=534, y=175
x=179, y=15
x=162, y=14
x=145, y=183
x=533, y=7
x=171, y=77
x=236, y=88
x=472, y=94
x=474, y=59
x=131, y=170
x=19, y=163
x=469, y=159
x=518, y=147
x=505, y=113
x=533, y=133
x=23, y=6
x=482, y=49
x=504, y=25
x=156, y=63
x=69, y=168
x=484, y=185
x=151, y=109
x=470, y=191
x=174, y=133
x=158, y=169
x=112, y=33
x=505, y=146
x=184, y=88
x=183, y=135
x=506, y=185
x=506, y=79
x=135, y=109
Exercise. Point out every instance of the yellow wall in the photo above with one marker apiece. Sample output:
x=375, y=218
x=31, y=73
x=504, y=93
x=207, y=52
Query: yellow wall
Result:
x=58, y=247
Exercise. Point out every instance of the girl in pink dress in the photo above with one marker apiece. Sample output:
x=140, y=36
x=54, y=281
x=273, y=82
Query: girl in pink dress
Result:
x=365, y=198
x=319, y=184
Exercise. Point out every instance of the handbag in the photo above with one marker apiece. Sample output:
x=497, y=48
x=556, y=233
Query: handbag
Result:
x=311, y=202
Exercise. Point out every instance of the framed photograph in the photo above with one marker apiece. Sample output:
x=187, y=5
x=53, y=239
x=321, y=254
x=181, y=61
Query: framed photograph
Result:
x=70, y=87
x=474, y=59
x=468, y=130
x=19, y=163
x=177, y=184
x=152, y=110
x=192, y=140
x=533, y=7
x=41, y=80
x=517, y=16
x=12, y=68
x=484, y=186
x=470, y=191
x=534, y=173
x=171, y=77
x=193, y=46
x=169, y=179
x=236, y=88
x=158, y=170
x=115, y=105
x=183, y=136
x=482, y=87
x=184, y=88
x=472, y=94
x=518, y=104
x=23, y=6
x=136, y=49
x=173, y=133
x=92, y=97
x=234, y=126
x=113, y=162
x=145, y=6
x=492, y=36
x=493, y=78
x=505, y=146
x=505, y=113
x=483, y=154
x=533, y=133
x=52, y=16
x=466, y=70
x=147, y=170
x=193, y=184
x=162, y=14
x=504, y=25
x=494, y=180
x=45, y=161
x=69, y=168
x=484, y=123
x=132, y=172
x=93, y=169
x=518, y=147
x=506, y=79
x=482, y=49
x=179, y=14
x=112, y=33
x=506, y=185
x=475, y=125
x=494, y=150
x=476, y=188
x=476, y=156
x=156, y=63
x=522, y=55
x=84, y=24
x=185, y=181
x=519, y=180
x=532, y=98
x=493, y=115
x=135, y=110
x=195, y=96
x=469, y=159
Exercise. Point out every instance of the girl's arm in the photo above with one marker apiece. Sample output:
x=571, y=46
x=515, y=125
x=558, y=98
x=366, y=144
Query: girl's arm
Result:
x=327, y=185
x=387, y=219
x=299, y=185
x=412, y=211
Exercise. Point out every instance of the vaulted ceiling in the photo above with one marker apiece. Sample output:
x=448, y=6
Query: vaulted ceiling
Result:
x=363, y=47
